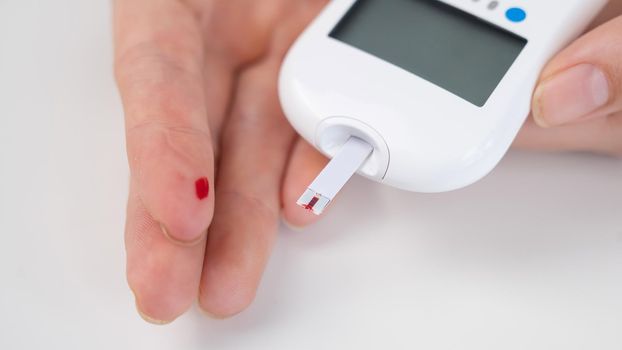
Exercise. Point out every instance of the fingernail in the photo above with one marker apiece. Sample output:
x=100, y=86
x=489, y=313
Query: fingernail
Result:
x=180, y=242
x=570, y=95
x=152, y=320
x=291, y=226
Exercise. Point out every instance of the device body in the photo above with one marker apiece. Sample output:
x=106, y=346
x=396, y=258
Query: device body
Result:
x=430, y=131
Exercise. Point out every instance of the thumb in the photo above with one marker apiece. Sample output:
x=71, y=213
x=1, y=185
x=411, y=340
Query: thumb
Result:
x=584, y=81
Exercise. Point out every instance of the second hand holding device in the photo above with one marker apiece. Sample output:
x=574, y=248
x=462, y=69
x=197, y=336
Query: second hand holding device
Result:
x=423, y=95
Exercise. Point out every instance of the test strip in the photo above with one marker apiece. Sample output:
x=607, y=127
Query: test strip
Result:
x=335, y=175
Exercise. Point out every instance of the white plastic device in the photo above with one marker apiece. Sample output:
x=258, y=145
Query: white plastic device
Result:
x=438, y=88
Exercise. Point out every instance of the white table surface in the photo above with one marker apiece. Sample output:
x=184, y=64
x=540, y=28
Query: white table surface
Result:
x=529, y=258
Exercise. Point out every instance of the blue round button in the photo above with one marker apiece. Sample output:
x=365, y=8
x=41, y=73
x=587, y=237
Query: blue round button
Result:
x=516, y=14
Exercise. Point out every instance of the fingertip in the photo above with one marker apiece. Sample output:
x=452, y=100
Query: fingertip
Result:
x=215, y=316
x=155, y=305
x=294, y=216
x=163, y=278
x=572, y=95
x=226, y=296
x=150, y=319
x=305, y=164
x=238, y=249
x=291, y=226
x=173, y=169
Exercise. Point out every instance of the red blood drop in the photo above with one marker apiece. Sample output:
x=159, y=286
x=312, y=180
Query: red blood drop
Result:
x=202, y=188
x=312, y=203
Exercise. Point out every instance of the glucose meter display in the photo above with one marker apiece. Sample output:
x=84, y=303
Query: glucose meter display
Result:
x=442, y=44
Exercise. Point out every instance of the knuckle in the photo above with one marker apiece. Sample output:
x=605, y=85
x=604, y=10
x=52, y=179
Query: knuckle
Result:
x=230, y=20
x=260, y=112
x=167, y=128
x=148, y=62
x=158, y=90
x=255, y=205
x=143, y=63
x=161, y=137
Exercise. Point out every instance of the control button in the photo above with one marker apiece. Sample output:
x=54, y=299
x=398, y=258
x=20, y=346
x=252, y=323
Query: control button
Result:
x=516, y=14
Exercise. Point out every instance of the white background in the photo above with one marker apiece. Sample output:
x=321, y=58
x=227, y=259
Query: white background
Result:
x=529, y=258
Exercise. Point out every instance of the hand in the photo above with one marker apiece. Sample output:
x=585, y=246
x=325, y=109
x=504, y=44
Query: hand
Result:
x=577, y=105
x=198, y=84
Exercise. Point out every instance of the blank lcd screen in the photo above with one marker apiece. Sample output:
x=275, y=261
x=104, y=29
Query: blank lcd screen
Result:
x=451, y=48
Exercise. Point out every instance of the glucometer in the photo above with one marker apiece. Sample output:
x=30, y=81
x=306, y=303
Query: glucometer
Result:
x=423, y=95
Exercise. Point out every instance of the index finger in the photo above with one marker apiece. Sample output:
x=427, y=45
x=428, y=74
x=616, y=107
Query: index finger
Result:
x=159, y=69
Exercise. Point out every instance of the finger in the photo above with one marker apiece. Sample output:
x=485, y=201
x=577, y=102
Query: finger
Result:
x=159, y=70
x=256, y=144
x=240, y=29
x=601, y=135
x=584, y=81
x=611, y=10
x=223, y=23
x=163, y=276
x=304, y=165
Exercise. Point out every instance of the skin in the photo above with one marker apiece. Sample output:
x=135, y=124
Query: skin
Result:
x=198, y=85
